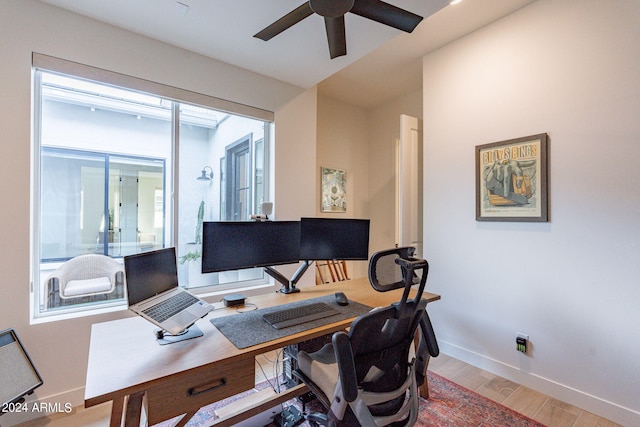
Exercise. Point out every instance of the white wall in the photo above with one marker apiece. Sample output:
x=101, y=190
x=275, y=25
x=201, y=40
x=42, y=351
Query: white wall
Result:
x=569, y=68
x=384, y=130
x=361, y=142
x=295, y=166
x=59, y=349
x=342, y=143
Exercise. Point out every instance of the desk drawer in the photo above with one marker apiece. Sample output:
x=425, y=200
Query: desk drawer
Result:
x=191, y=390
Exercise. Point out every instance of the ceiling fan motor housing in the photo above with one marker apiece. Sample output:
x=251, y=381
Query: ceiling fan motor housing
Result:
x=331, y=8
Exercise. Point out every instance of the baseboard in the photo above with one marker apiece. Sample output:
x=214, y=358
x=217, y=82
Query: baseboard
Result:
x=588, y=402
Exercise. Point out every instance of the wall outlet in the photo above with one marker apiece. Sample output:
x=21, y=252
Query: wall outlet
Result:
x=522, y=341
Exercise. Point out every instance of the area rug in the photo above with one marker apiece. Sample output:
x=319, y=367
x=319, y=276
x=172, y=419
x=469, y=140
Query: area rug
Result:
x=449, y=405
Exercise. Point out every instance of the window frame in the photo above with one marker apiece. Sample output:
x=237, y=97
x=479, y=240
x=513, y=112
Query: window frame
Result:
x=46, y=63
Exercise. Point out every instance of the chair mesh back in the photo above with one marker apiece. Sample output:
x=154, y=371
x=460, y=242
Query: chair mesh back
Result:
x=387, y=356
x=388, y=272
x=384, y=273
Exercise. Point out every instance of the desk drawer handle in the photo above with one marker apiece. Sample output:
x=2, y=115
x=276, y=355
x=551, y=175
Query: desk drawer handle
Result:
x=195, y=391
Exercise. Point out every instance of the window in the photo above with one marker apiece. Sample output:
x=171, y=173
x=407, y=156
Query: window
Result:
x=218, y=165
x=99, y=203
x=119, y=171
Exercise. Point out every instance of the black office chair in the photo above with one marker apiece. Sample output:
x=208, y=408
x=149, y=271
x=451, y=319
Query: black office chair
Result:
x=366, y=377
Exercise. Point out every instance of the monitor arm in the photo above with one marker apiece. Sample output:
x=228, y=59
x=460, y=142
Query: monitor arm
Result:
x=289, y=286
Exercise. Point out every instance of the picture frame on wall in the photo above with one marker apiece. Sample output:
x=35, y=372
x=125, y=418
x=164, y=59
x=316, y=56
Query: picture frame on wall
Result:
x=334, y=190
x=511, y=180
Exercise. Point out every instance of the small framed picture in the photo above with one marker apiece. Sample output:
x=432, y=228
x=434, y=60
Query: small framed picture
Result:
x=334, y=190
x=511, y=180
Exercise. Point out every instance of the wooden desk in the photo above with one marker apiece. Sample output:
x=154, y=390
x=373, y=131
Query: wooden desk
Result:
x=127, y=366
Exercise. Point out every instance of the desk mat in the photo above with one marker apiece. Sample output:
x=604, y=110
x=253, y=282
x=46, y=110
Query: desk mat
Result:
x=248, y=328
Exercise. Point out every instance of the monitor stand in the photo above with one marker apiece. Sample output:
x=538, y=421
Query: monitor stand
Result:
x=289, y=286
x=164, y=338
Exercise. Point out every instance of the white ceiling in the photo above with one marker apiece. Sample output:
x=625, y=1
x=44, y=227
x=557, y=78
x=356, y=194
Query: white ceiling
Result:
x=381, y=62
x=395, y=68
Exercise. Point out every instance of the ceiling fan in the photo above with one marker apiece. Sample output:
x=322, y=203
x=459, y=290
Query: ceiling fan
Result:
x=333, y=12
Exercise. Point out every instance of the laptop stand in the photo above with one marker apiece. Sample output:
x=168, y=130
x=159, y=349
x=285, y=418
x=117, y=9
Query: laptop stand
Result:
x=164, y=338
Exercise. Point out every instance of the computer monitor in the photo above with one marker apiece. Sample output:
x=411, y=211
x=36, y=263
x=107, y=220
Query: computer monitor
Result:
x=334, y=238
x=238, y=245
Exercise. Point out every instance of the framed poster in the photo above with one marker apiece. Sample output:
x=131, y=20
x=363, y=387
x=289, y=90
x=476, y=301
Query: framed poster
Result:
x=334, y=190
x=511, y=180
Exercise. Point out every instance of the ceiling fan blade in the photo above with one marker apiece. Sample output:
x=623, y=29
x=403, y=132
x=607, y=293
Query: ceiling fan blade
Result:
x=387, y=14
x=336, y=36
x=289, y=20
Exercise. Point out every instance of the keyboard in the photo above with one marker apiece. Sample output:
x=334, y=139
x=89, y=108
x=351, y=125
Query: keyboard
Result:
x=298, y=315
x=171, y=306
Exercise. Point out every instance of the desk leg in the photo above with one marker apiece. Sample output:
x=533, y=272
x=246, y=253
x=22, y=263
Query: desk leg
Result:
x=185, y=419
x=117, y=406
x=134, y=410
x=424, y=389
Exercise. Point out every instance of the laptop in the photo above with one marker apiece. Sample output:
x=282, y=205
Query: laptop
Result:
x=153, y=291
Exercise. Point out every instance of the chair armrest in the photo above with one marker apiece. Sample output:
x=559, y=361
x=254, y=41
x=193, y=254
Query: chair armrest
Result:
x=427, y=348
x=346, y=365
x=429, y=335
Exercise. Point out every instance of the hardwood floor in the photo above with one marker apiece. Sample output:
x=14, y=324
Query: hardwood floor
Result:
x=540, y=407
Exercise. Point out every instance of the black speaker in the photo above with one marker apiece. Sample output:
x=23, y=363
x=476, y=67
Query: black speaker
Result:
x=18, y=376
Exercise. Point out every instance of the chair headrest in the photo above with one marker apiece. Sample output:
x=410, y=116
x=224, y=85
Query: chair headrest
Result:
x=397, y=268
x=393, y=268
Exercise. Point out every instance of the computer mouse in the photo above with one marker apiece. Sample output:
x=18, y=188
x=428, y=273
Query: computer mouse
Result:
x=341, y=298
